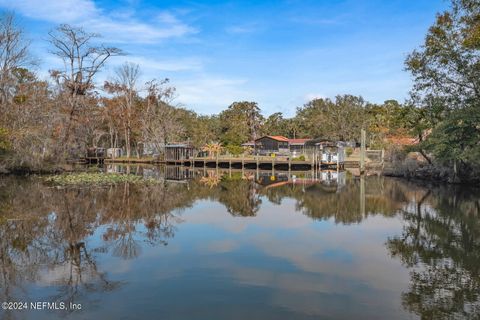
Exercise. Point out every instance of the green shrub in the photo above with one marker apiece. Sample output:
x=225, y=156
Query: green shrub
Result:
x=349, y=151
x=4, y=143
x=300, y=158
x=234, y=149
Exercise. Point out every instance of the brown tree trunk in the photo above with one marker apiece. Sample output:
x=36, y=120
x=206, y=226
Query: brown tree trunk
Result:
x=127, y=142
x=422, y=152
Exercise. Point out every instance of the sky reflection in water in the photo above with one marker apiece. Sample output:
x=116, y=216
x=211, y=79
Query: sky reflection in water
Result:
x=207, y=245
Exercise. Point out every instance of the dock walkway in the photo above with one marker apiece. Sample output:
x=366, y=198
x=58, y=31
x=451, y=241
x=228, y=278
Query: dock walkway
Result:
x=261, y=162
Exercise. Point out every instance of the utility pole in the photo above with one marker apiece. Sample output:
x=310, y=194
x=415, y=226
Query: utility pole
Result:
x=362, y=152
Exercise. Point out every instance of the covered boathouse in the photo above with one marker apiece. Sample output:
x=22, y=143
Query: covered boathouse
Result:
x=327, y=152
x=179, y=151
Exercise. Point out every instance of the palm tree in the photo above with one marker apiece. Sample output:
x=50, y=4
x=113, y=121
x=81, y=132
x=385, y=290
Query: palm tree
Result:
x=211, y=179
x=213, y=149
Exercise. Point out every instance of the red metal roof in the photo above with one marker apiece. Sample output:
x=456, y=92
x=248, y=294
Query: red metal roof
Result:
x=298, y=141
x=285, y=139
x=278, y=138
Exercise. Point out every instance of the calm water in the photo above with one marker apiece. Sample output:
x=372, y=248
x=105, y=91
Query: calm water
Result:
x=213, y=245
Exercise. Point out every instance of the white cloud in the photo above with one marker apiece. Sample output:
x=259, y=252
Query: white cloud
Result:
x=54, y=11
x=167, y=17
x=155, y=65
x=116, y=26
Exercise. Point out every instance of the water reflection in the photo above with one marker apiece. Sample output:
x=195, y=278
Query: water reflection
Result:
x=287, y=245
x=440, y=243
x=45, y=233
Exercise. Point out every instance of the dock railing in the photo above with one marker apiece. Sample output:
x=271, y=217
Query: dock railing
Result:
x=265, y=158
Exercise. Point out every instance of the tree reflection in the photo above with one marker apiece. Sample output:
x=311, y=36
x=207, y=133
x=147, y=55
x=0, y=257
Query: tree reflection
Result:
x=45, y=233
x=441, y=245
x=236, y=191
x=324, y=202
x=242, y=195
x=239, y=195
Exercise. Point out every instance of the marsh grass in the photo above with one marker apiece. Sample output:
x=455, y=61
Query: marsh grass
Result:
x=95, y=178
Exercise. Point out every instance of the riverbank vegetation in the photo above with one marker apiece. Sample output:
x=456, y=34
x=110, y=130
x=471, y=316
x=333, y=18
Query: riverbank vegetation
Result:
x=44, y=122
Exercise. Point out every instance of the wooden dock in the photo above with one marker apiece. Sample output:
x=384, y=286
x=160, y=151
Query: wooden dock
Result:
x=238, y=163
x=95, y=155
x=255, y=162
x=94, y=159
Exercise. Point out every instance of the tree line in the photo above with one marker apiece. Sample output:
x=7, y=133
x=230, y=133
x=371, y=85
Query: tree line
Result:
x=48, y=121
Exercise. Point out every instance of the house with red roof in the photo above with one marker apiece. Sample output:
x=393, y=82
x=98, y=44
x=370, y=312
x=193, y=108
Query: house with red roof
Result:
x=279, y=145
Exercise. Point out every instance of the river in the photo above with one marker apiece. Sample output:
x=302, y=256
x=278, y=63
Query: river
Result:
x=210, y=244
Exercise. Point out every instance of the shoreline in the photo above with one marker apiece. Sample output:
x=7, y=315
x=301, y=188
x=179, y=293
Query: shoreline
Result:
x=426, y=174
x=431, y=173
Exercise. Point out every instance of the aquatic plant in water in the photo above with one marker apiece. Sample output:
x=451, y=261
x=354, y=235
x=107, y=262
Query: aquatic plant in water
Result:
x=80, y=178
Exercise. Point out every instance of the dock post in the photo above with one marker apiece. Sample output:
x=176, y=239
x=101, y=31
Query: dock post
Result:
x=362, y=152
x=273, y=166
x=313, y=165
x=362, y=195
x=256, y=157
x=338, y=168
x=313, y=158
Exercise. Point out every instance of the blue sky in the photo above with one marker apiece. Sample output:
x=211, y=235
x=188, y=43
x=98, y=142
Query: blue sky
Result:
x=278, y=53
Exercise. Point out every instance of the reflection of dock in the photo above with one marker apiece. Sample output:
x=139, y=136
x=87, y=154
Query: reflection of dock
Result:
x=260, y=162
x=178, y=174
x=328, y=178
x=266, y=178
